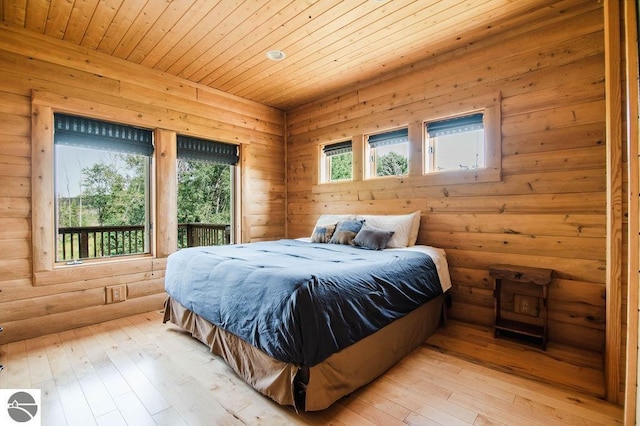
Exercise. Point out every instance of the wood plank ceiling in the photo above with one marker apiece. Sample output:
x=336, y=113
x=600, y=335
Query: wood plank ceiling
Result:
x=330, y=45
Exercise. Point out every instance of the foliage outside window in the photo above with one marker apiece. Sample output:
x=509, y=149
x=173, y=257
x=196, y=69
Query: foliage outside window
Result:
x=205, y=171
x=337, y=162
x=456, y=144
x=102, y=188
x=389, y=153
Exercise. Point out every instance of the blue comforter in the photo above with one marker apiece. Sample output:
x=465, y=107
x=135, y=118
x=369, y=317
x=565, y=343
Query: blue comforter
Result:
x=300, y=302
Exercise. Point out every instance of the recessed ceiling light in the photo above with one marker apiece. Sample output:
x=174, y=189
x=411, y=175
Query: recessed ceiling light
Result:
x=276, y=55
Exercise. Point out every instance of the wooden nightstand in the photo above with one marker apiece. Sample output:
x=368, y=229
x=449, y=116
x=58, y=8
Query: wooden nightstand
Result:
x=530, y=315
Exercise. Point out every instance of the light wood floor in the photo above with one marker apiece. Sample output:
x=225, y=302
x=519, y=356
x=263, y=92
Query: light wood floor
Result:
x=138, y=371
x=559, y=365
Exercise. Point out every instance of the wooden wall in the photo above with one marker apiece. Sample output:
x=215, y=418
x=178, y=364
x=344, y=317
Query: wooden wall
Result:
x=631, y=279
x=66, y=75
x=548, y=210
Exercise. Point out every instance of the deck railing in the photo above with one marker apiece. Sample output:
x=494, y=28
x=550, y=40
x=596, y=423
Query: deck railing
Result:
x=90, y=242
x=203, y=234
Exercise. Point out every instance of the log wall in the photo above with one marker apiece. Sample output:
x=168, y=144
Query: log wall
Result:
x=549, y=208
x=57, y=74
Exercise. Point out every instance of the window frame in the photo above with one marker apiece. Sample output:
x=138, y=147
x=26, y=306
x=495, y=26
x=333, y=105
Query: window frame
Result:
x=492, y=171
x=46, y=270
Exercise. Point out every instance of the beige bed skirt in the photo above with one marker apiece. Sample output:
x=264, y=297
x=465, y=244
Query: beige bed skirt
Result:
x=314, y=388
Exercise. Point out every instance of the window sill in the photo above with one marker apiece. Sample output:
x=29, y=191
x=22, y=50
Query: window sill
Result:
x=62, y=273
x=336, y=182
x=397, y=182
x=101, y=261
x=462, y=176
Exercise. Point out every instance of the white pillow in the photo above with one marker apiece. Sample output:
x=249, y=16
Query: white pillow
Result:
x=405, y=227
x=332, y=219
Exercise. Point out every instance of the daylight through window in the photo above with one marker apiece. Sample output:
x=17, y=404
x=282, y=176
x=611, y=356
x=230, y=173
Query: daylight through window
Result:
x=389, y=153
x=456, y=144
x=337, y=164
x=102, y=188
x=206, y=191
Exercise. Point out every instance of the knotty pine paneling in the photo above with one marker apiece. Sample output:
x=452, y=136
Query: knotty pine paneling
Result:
x=58, y=71
x=329, y=45
x=548, y=210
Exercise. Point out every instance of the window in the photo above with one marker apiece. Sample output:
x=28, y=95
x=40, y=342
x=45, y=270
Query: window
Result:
x=455, y=144
x=337, y=162
x=102, y=188
x=206, y=182
x=388, y=154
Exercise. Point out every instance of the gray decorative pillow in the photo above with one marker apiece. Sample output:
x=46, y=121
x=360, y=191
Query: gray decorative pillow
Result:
x=322, y=234
x=372, y=238
x=346, y=231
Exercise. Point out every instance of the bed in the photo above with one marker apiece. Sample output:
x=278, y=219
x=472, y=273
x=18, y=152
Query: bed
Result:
x=306, y=322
